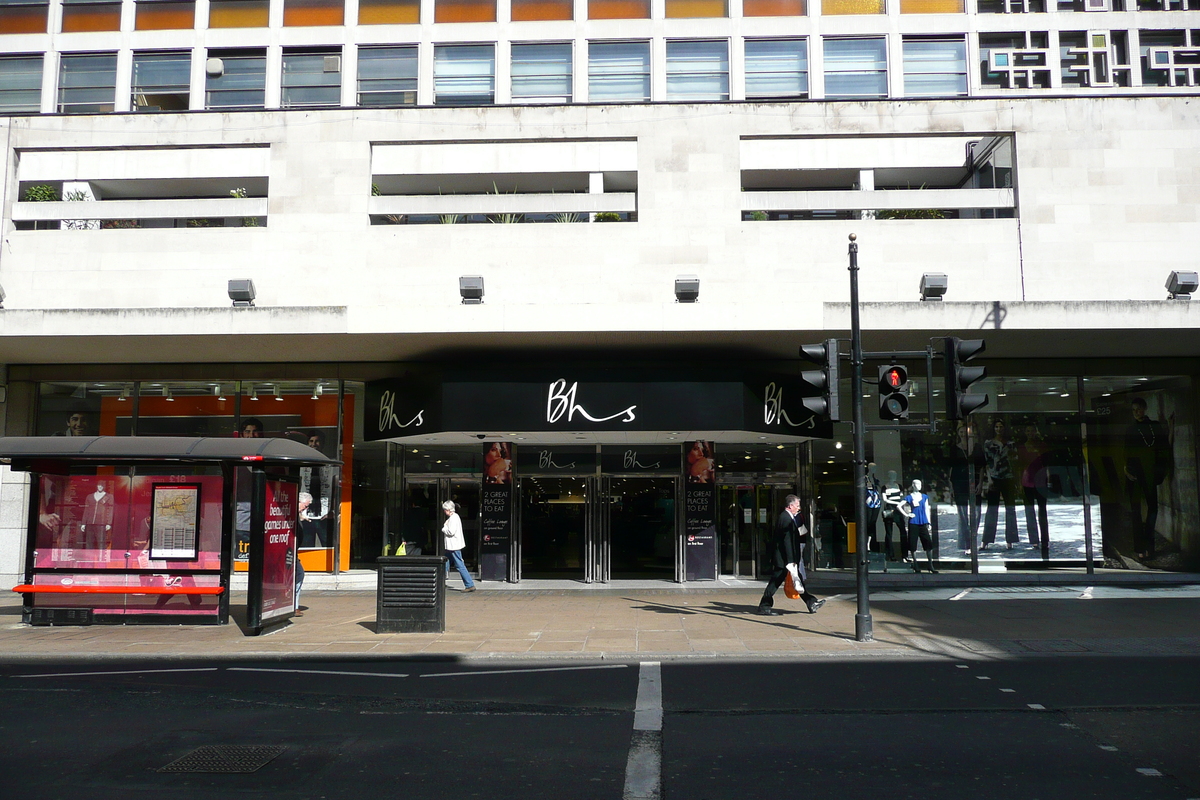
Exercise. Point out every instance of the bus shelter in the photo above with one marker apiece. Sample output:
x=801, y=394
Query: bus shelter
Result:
x=137, y=530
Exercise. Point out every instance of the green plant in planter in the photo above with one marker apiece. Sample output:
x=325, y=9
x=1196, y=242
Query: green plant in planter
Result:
x=76, y=196
x=758, y=216
x=566, y=216
x=40, y=193
x=608, y=216
x=910, y=213
x=240, y=193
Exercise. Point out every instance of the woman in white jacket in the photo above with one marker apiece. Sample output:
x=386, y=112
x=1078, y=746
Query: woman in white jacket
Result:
x=455, y=542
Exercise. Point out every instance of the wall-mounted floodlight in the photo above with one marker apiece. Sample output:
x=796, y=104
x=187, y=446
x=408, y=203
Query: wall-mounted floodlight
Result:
x=933, y=285
x=687, y=289
x=241, y=293
x=1179, y=284
x=471, y=289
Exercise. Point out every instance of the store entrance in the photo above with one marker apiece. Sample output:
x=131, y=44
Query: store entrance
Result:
x=422, y=516
x=746, y=521
x=553, y=525
x=641, y=527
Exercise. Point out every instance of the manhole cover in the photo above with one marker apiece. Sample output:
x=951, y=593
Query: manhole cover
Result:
x=225, y=758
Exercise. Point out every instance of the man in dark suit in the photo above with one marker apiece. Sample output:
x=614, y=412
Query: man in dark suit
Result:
x=787, y=548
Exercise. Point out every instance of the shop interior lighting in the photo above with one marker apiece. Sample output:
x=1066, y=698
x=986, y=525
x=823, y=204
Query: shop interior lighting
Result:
x=254, y=393
x=124, y=395
x=276, y=393
x=318, y=390
x=166, y=391
x=242, y=293
x=933, y=286
x=470, y=287
x=687, y=289
x=1182, y=284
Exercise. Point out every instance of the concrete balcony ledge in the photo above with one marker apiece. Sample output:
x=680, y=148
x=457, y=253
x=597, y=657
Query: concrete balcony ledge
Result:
x=173, y=208
x=1066, y=315
x=173, y=321
x=850, y=200
x=580, y=202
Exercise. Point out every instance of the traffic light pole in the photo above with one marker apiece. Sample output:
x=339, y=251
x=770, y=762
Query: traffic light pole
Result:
x=862, y=619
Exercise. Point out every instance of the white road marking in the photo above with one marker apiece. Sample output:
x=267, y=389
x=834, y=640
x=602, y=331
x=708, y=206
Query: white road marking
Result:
x=318, y=672
x=962, y=666
x=643, y=770
x=1036, y=706
x=1010, y=691
x=516, y=671
x=1087, y=593
x=982, y=678
x=961, y=594
x=1107, y=747
x=115, y=672
x=1149, y=772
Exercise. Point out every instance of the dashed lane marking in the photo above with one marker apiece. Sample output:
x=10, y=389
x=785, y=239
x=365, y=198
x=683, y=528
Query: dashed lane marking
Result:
x=517, y=671
x=319, y=672
x=643, y=770
x=115, y=672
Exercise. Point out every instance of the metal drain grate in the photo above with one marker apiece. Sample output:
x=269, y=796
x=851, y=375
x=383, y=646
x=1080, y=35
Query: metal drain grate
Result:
x=225, y=758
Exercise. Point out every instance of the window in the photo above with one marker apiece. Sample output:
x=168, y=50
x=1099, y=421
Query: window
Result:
x=776, y=68
x=698, y=70
x=302, y=13
x=87, y=84
x=931, y=7
x=682, y=9
x=464, y=75
x=389, y=12
x=541, y=73
x=24, y=16
x=20, y=84
x=531, y=10
x=238, y=13
x=90, y=15
x=935, y=68
x=618, y=9
x=773, y=8
x=855, y=68
x=464, y=11
x=618, y=71
x=242, y=82
x=387, y=76
x=161, y=81
x=837, y=7
x=161, y=15
x=311, y=79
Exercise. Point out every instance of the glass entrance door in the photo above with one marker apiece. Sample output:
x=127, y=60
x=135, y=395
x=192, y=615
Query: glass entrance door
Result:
x=642, y=523
x=421, y=526
x=746, y=521
x=553, y=527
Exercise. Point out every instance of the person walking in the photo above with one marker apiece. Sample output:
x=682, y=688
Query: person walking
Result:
x=455, y=542
x=787, y=556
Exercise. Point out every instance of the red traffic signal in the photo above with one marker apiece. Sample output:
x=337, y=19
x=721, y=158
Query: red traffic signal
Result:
x=893, y=388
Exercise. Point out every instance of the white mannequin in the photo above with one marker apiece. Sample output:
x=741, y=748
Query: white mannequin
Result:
x=917, y=511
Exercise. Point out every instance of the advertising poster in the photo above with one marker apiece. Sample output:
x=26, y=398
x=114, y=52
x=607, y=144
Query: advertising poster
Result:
x=700, y=514
x=175, y=522
x=279, y=549
x=495, y=511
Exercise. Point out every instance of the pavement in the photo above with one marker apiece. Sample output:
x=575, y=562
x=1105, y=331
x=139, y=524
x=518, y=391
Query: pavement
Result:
x=639, y=619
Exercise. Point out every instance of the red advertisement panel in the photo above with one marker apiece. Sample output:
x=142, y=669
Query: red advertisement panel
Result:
x=279, y=549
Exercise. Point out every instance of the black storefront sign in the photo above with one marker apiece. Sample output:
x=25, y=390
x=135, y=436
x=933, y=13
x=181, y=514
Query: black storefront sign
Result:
x=617, y=460
x=700, y=530
x=587, y=400
x=557, y=459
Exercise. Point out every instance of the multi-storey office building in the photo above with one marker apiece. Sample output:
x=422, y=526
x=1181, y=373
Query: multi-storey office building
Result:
x=356, y=159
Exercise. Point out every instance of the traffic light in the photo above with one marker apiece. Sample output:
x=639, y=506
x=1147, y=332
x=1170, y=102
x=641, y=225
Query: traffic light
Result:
x=959, y=403
x=893, y=387
x=824, y=380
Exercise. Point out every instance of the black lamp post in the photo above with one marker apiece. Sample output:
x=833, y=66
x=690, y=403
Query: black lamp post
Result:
x=862, y=619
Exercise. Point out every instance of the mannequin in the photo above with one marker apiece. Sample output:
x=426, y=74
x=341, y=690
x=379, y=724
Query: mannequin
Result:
x=893, y=514
x=874, y=501
x=918, y=524
x=97, y=518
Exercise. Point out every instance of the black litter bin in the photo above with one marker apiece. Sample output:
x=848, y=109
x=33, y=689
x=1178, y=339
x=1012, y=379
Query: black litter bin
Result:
x=411, y=596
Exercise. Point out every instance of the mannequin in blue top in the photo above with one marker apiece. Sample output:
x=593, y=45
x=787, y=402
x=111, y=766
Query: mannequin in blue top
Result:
x=918, y=524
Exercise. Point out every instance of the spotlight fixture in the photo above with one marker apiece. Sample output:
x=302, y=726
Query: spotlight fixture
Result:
x=166, y=391
x=124, y=395
x=242, y=293
x=933, y=285
x=318, y=390
x=470, y=287
x=687, y=289
x=1182, y=284
x=254, y=393
x=276, y=393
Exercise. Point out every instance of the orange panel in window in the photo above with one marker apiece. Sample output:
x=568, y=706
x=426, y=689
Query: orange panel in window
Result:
x=533, y=10
x=23, y=19
x=389, y=12
x=464, y=11
x=682, y=9
x=165, y=16
x=89, y=17
x=238, y=13
x=851, y=7
x=931, y=7
x=310, y=13
x=618, y=9
x=773, y=8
